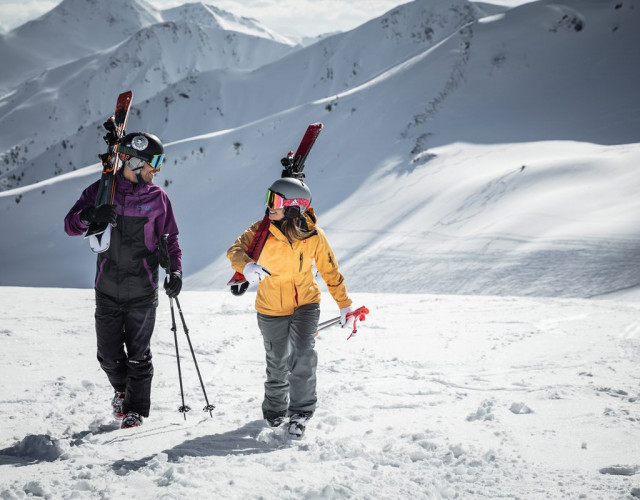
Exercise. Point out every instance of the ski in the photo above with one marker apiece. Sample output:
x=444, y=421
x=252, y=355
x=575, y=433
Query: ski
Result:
x=294, y=163
x=293, y=166
x=238, y=282
x=99, y=234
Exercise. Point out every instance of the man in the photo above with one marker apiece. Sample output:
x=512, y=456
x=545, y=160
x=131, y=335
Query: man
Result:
x=126, y=283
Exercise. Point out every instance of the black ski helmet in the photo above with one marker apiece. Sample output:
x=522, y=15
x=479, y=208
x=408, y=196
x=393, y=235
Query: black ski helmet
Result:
x=144, y=146
x=291, y=194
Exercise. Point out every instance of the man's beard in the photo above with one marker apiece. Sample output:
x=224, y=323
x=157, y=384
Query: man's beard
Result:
x=141, y=179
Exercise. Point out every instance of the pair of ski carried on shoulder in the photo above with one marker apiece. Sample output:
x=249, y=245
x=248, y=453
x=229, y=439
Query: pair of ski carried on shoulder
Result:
x=99, y=233
x=293, y=166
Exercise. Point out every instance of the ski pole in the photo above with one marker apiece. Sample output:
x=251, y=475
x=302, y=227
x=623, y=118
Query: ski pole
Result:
x=328, y=323
x=358, y=314
x=165, y=263
x=209, y=407
x=184, y=408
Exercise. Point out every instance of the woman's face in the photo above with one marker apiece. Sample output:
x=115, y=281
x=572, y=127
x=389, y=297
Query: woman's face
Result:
x=276, y=213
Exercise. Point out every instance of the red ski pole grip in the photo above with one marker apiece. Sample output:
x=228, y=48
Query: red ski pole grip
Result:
x=358, y=314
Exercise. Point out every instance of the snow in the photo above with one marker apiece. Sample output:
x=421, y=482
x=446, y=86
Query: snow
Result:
x=477, y=179
x=436, y=396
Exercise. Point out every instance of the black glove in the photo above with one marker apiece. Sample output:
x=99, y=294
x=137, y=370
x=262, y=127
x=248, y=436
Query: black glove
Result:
x=173, y=284
x=102, y=213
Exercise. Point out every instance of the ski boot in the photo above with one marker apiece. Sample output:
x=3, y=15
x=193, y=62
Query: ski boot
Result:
x=298, y=423
x=116, y=404
x=131, y=419
x=274, y=419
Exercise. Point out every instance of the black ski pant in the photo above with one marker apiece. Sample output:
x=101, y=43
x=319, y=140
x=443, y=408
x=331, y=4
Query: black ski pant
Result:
x=124, y=353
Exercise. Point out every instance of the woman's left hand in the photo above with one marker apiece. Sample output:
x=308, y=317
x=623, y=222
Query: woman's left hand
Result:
x=343, y=315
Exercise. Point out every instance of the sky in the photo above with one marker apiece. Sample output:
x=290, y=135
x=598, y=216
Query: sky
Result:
x=288, y=17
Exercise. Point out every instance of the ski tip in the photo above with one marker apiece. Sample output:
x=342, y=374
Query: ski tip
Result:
x=236, y=280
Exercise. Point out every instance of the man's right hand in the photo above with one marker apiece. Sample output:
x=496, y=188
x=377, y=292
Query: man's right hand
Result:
x=102, y=213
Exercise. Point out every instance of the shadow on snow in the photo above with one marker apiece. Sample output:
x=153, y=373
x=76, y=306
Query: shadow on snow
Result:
x=242, y=441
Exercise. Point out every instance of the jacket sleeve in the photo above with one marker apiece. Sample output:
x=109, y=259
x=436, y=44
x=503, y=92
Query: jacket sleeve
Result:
x=73, y=226
x=173, y=245
x=237, y=253
x=327, y=265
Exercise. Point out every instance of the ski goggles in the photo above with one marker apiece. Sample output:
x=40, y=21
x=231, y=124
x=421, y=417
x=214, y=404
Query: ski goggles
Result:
x=136, y=163
x=276, y=201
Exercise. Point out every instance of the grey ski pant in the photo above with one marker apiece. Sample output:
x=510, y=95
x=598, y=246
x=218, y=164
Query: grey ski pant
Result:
x=289, y=343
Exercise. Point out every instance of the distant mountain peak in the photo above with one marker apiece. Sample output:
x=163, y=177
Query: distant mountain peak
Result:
x=114, y=8
x=101, y=21
x=111, y=6
x=214, y=17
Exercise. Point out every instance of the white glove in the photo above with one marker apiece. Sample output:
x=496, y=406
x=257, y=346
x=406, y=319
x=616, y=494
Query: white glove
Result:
x=343, y=315
x=255, y=272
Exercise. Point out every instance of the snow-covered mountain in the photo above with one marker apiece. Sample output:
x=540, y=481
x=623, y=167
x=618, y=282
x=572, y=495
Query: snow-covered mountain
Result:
x=186, y=81
x=71, y=30
x=461, y=153
x=46, y=132
x=78, y=28
x=222, y=100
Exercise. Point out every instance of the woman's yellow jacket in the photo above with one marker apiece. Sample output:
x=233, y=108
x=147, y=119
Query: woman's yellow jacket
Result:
x=291, y=283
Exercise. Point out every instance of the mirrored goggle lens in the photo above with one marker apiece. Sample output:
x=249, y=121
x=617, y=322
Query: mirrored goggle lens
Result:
x=274, y=200
x=156, y=161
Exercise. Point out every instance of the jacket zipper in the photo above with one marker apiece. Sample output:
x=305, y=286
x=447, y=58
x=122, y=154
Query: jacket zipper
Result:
x=300, y=270
x=331, y=261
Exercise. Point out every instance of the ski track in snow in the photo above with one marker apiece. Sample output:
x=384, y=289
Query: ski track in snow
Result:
x=435, y=397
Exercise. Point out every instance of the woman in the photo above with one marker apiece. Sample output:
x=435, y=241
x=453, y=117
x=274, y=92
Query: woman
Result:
x=288, y=299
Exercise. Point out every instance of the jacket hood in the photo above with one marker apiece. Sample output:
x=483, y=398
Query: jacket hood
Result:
x=312, y=218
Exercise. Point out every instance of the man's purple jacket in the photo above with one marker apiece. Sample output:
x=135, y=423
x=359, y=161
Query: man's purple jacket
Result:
x=127, y=273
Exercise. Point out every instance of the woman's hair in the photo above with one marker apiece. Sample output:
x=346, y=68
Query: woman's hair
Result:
x=295, y=229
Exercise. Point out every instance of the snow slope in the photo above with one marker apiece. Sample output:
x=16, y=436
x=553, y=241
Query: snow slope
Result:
x=498, y=160
x=434, y=397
